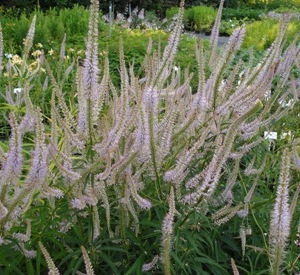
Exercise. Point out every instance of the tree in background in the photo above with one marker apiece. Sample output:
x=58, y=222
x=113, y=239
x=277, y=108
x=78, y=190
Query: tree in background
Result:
x=159, y=6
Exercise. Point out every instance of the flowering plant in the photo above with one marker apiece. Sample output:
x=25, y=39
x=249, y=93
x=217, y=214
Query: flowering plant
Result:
x=134, y=170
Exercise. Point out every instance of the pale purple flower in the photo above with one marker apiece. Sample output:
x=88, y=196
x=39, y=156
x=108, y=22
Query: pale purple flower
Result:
x=12, y=166
x=281, y=218
x=39, y=165
x=141, y=14
x=3, y=211
x=143, y=203
x=78, y=203
x=151, y=265
x=1, y=49
x=49, y=192
x=29, y=39
x=90, y=68
x=167, y=225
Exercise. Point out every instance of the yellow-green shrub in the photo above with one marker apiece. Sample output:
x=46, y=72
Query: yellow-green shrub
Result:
x=261, y=34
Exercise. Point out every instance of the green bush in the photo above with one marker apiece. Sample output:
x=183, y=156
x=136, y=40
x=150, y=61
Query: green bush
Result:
x=53, y=24
x=198, y=18
x=242, y=13
x=275, y=4
x=261, y=34
x=50, y=28
x=171, y=13
x=203, y=18
x=135, y=44
x=227, y=26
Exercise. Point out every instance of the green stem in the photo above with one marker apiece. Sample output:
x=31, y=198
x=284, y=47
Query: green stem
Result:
x=166, y=255
x=3, y=192
x=252, y=212
x=153, y=157
x=22, y=195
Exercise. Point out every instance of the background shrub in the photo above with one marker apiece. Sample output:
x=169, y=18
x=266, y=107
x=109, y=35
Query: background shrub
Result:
x=196, y=18
x=261, y=34
x=242, y=13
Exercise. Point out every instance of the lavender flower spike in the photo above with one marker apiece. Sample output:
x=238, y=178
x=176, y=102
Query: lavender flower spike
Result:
x=167, y=231
x=39, y=166
x=215, y=35
x=12, y=167
x=90, y=68
x=1, y=49
x=29, y=39
x=281, y=218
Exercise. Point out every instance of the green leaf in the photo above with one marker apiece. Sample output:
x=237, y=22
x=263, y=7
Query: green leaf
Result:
x=136, y=268
x=211, y=262
x=107, y=259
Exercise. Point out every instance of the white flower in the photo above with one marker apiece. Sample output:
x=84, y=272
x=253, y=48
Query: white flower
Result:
x=18, y=90
x=286, y=135
x=268, y=94
x=270, y=135
x=286, y=103
x=8, y=55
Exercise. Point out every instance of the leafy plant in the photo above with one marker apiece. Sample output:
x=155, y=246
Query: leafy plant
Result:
x=261, y=34
x=147, y=173
x=198, y=18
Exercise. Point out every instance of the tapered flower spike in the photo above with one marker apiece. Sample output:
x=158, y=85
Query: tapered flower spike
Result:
x=234, y=267
x=12, y=167
x=3, y=211
x=213, y=172
x=39, y=167
x=51, y=266
x=167, y=232
x=87, y=262
x=28, y=121
x=61, y=57
x=1, y=50
x=143, y=203
x=281, y=218
x=96, y=223
x=170, y=50
x=90, y=69
x=101, y=193
x=215, y=35
x=226, y=213
x=24, y=237
x=29, y=39
x=150, y=266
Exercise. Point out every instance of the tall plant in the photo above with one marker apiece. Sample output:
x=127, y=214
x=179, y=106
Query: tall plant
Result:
x=147, y=156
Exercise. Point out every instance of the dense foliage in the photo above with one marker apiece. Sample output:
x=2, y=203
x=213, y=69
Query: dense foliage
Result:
x=117, y=164
x=159, y=6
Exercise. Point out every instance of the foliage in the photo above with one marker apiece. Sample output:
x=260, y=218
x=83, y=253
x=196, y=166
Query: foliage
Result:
x=198, y=18
x=50, y=29
x=261, y=34
x=242, y=13
x=146, y=173
x=228, y=26
x=274, y=4
x=52, y=25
